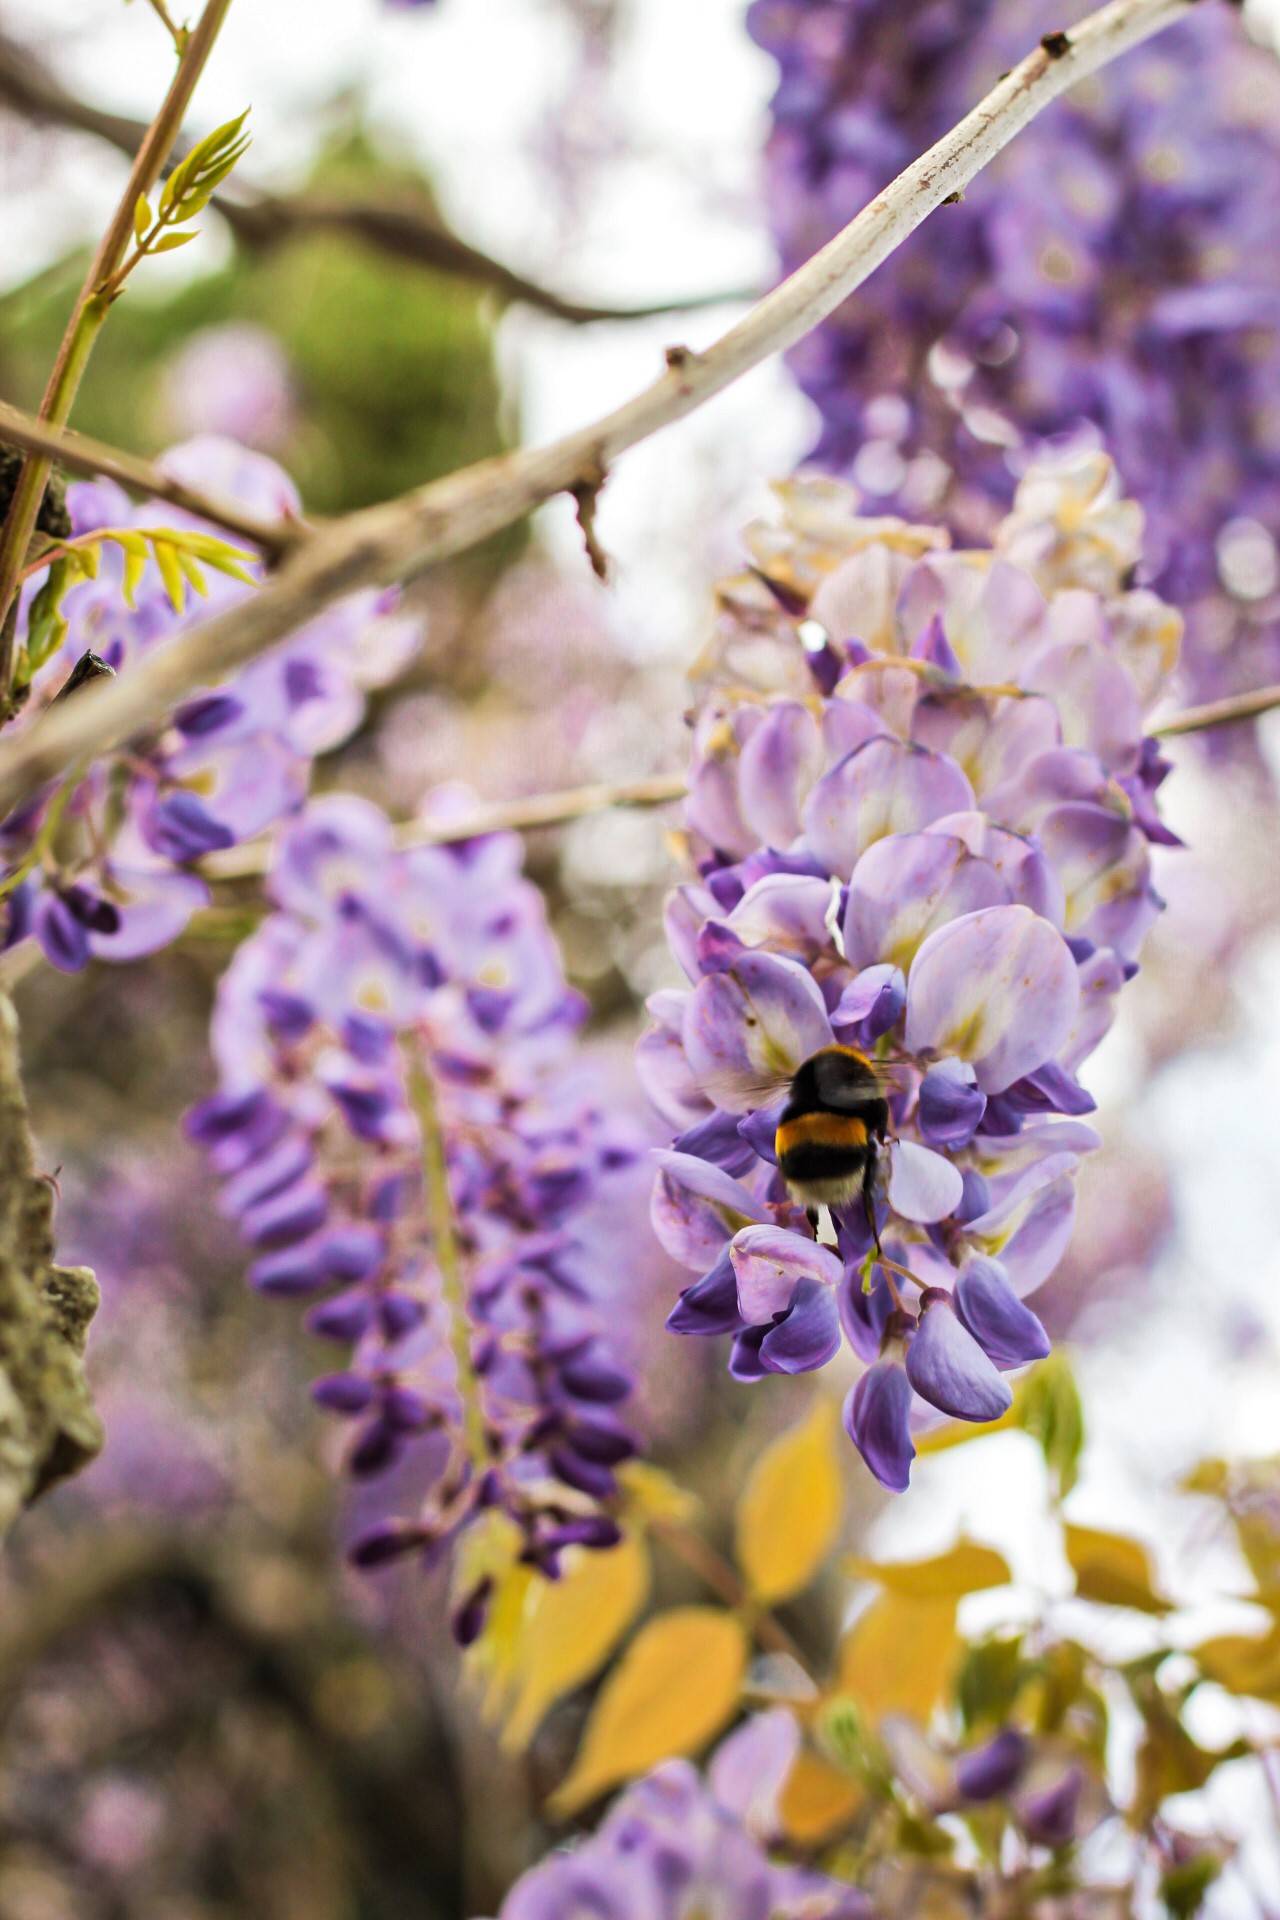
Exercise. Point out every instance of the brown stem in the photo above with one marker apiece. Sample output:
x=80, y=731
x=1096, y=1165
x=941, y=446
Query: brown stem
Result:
x=130, y=470
x=719, y=1577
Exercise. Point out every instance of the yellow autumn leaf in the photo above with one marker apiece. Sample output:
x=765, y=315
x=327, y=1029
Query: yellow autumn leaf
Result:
x=674, y=1688
x=571, y=1627
x=1243, y=1663
x=899, y=1656
x=789, y=1510
x=1112, y=1569
x=650, y=1495
x=816, y=1800
x=967, y=1567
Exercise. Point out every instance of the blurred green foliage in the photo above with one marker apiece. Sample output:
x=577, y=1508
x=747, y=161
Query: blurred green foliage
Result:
x=393, y=364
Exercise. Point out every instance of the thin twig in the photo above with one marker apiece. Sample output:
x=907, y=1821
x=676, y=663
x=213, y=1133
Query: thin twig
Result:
x=400, y=229
x=130, y=470
x=518, y=816
x=1220, y=713
x=719, y=1577
x=383, y=544
x=176, y=33
x=92, y=306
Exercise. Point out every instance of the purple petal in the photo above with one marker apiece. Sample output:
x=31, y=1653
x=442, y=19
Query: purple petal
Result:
x=877, y=1417
x=948, y=1368
x=907, y=886
x=64, y=939
x=997, y=988
x=710, y=1305
x=155, y=910
x=750, y=1768
x=747, y=1031
x=806, y=1337
x=989, y=1771
x=994, y=1315
x=863, y=1315
x=778, y=766
x=770, y=1263
x=697, y=1207
x=923, y=1186
x=1030, y=1234
x=876, y=997
x=951, y=1104
x=887, y=786
x=1049, y=1815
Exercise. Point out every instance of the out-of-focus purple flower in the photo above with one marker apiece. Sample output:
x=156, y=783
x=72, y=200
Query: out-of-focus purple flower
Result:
x=913, y=837
x=669, y=1846
x=988, y=1772
x=232, y=380
x=231, y=764
x=1136, y=302
x=401, y=1025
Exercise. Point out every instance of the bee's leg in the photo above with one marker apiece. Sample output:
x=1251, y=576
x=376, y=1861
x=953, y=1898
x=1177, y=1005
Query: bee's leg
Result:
x=814, y=1217
x=869, y=1194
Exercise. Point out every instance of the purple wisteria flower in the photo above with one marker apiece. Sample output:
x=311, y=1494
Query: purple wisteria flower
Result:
x=407, y=1144
x=106, y=867
x=686, y=1849
x=920, y=813
x=1114, y=277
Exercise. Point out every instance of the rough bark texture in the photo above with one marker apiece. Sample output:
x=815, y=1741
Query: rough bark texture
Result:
x=48, y=1427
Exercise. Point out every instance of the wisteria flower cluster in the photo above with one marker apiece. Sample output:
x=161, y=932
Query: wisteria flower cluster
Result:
x=407, y=1142
x=1116, y=273
x=690, y=1849
x=103, y=864
x=921, y=809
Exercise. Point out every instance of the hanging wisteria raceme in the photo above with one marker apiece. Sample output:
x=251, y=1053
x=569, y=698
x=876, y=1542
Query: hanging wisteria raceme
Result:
x=920, y=811
x=1114, y=275
x=408, y=1142
x=102, y=864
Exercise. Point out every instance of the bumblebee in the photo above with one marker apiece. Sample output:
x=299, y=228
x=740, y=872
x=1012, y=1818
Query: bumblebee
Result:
x=831, y=1129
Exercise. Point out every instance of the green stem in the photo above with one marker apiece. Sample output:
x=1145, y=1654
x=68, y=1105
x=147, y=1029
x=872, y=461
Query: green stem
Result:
x=89, y=313
x=435, y=1173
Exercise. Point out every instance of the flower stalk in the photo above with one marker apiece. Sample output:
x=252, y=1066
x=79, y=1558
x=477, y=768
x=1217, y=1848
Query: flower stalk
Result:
x=448, y=1254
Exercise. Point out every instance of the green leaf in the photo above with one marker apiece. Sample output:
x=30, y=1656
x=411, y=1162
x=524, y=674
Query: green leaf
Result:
x=46, y=628
x=1048, y=1407
x=168, y=242
x=988, y=1681
x=141, y=217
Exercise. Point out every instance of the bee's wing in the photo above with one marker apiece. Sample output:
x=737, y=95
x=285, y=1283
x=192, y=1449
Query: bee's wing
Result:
x=737, y=1092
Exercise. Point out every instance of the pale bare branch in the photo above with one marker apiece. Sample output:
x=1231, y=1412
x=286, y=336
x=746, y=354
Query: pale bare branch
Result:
x=517, y=816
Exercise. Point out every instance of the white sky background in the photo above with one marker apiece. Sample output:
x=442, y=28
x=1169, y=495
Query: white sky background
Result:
x=466, y=87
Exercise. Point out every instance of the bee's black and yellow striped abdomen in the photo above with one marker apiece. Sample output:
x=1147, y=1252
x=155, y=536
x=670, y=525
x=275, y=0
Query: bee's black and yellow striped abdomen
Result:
x=827, y=1133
